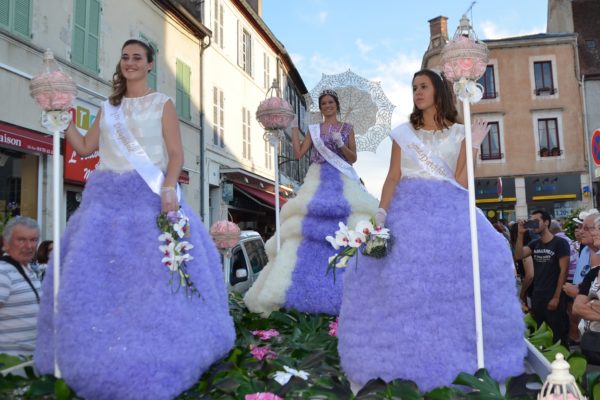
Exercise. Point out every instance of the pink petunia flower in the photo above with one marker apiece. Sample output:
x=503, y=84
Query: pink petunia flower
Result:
x=333, y=326
x=261, y=353
x=262, y=396
x=266, y=335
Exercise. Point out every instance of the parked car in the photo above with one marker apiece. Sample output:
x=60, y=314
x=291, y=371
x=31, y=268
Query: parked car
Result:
x=247, y=258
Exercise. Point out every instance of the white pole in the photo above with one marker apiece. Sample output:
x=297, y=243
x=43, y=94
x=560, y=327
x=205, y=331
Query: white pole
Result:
x=275, y=160
x=474, y=242
x=56, y=192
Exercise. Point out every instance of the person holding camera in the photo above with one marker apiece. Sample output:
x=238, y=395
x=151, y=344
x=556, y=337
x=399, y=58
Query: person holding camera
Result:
x=550, y=255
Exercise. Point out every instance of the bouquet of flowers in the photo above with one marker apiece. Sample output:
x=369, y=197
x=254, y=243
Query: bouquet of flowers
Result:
x=175, y=227
x=372, y=240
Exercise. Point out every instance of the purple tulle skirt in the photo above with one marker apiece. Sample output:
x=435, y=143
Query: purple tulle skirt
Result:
x=312, y=290
x=121, y=333
x=411, y=315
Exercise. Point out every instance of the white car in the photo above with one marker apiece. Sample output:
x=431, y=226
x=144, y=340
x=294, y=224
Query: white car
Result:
x=247, y=258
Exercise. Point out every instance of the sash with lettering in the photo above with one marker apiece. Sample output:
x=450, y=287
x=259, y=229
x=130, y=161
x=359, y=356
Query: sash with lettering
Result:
x=413, y=147
x=132, y=150
x=332, y=158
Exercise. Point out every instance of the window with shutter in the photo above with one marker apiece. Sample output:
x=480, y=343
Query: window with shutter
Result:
x=153, y=74
x=182, y=101
x=86, y=34
x=15, y=15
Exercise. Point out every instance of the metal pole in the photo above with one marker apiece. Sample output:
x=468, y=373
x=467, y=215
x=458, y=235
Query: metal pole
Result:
x=277, y=227
x=474, y=242
x=56, y=192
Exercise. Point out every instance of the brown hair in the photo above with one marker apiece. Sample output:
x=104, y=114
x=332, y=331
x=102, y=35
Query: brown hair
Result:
x=443, y=99
x=42, y=254
x=119, y=83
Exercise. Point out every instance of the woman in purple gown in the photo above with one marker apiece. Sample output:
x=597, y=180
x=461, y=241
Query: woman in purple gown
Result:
x=295, y=277
x=410, y=315
x=120, y=331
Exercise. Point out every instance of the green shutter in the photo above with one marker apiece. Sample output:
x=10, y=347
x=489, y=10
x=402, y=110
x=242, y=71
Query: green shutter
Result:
x=79, y=32
x=153, y=74
x=22, y=17
x=179, y=88
x=93, y=35
x=187, y=90
x=5, y=13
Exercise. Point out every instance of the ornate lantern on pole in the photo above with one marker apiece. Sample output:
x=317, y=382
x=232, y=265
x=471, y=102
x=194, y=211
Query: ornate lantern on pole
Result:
x=275, y=115
x=464, y=60
x=54, y=91
x=226, y=234
x=560, y=384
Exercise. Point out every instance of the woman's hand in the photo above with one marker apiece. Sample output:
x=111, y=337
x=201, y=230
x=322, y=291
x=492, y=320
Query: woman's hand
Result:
x=337, y=138
x=380, y=217
x=168, y=199
x=479, y=130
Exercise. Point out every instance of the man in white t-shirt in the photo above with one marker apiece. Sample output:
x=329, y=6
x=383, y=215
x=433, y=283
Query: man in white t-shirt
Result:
x=20, y=289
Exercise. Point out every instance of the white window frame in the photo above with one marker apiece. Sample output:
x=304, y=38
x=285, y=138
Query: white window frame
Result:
x=548, y=114
x=246, y=134
x=494, y=63
x=552, y=59
x=499, y=118
x=218, y=126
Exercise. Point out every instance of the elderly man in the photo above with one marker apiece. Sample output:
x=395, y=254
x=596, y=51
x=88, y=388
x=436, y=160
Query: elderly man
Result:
x=20, y=288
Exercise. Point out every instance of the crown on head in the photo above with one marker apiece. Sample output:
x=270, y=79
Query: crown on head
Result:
x=329, y=92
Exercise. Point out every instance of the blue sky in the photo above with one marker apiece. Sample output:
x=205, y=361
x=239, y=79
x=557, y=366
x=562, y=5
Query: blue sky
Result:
x=384, y=40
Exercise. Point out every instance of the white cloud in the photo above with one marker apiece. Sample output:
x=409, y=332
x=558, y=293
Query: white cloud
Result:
x=363, y=47
x=322, y=17
x=492, y=31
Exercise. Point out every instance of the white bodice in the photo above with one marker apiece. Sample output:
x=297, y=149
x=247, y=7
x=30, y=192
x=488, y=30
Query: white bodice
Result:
x=445, y=144
x=144, y=119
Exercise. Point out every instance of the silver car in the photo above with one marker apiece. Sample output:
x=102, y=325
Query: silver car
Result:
x=247, y=258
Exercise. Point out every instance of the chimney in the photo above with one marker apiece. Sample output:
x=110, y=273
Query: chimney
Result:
x=438, y=30
x=560, y=16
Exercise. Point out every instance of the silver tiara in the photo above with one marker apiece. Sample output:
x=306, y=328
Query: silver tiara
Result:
x=329, y=92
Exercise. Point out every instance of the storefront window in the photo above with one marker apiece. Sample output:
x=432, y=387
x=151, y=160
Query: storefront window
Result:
x=18, y=184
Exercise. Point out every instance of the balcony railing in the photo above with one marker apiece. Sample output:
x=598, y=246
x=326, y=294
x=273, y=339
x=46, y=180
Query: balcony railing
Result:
x=545, y=91
x=492, y=156
x=489, y=95
x=550, y=153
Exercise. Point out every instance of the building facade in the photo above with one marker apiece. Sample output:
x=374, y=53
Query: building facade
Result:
x=86, y=37
x=533, y=157
x=241, y=65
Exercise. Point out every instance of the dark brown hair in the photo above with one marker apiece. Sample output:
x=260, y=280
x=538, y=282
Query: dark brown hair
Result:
x=443, y=99
x=119, y=83
x=333, y=95
x=43, y=252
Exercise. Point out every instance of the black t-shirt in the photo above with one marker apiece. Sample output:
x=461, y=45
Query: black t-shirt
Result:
x=546, y=265
x=586, y=284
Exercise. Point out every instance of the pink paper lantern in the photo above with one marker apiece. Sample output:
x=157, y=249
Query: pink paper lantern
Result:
x=464, y=56
x=275, y=113
x=226, y=234
x=52, y=89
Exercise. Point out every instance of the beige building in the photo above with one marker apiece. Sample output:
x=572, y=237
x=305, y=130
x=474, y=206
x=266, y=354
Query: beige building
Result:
x=240, y=65
x=533, y=104
x=86, y=38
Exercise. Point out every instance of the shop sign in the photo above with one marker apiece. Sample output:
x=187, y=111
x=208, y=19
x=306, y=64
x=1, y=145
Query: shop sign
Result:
x=184, y=177
x=24, y=139
x=78, y=169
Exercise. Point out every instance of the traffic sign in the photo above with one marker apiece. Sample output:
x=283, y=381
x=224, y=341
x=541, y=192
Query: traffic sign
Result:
x=596, y=146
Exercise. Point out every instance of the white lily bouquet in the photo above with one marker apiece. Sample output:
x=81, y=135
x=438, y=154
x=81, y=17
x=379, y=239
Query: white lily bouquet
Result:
x=372, y=240
x=175, y=227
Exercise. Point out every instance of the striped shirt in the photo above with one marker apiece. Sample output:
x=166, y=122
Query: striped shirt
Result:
x=18, y=310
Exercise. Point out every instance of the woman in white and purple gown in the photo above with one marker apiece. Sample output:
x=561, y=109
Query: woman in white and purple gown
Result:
x=410, y=315
x=120, y=331
x=295, y=278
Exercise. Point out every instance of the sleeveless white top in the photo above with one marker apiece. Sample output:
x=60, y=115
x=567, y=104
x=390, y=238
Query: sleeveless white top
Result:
x=144, y=119
x=445, y=144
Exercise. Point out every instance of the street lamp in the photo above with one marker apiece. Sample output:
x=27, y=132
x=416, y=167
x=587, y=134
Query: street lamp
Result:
x=275, y=115
x=54, y=91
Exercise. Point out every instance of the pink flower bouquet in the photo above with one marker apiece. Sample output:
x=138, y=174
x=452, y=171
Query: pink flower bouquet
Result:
x=226, y=234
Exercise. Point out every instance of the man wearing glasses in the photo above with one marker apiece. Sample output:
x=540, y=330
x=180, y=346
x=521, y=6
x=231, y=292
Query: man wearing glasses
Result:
x=550, y=256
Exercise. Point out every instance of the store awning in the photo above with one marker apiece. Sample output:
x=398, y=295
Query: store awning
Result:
x=260, y=195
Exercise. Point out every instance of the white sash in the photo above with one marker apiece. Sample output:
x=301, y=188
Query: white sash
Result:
x=413, y=147
x=132, y=150
x=330, y=156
